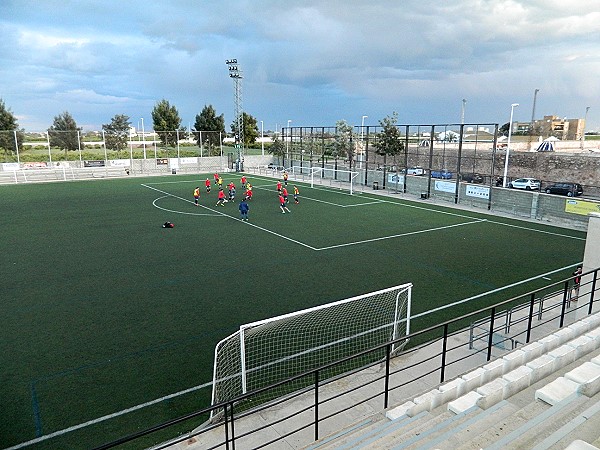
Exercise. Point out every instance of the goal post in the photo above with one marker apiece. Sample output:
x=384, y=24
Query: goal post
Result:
x=262, y=353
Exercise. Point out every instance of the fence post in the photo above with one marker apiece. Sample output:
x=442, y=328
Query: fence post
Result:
x=387, y=375
x=316, y=405
x=491, y=335
x=592, y=291
x=564, y=304
x=530, y=318
x=444, y=349
x=226, y=425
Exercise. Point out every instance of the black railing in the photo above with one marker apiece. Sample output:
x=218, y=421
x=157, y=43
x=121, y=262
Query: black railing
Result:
x=395, y=376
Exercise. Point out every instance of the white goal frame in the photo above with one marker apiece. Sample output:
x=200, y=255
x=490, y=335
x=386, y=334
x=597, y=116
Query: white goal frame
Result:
x=358, y=327
x=316, y=173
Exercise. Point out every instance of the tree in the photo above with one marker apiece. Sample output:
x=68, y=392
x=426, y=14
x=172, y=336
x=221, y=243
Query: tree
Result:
x=250, y=129
x=8, y=126
x=277, y=149
x=166, y=122
x=389, y=141
x=64, y=133
x=117, y=132
x=210, y=127
x=343, y=141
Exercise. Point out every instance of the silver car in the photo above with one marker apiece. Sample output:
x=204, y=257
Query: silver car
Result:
x=530, y=184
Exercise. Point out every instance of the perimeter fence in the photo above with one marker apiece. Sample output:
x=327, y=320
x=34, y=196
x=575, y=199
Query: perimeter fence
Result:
x=436, y=354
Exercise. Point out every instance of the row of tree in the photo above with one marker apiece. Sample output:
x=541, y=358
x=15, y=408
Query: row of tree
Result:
x=207, y=131
x=65, y=134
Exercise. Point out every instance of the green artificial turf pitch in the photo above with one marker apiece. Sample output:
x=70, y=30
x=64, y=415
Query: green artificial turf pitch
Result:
x=103, y=309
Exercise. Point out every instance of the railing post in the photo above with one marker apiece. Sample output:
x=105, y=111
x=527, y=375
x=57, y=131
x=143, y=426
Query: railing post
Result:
x=226, y=425
x=564, y=304
x=444, y=348
x=592, y=291
x=491, y=335
x=316, y=405
x=232, y=428
x=530, y=318
x=387, y=375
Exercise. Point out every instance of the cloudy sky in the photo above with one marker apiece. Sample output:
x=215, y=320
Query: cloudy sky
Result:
x=311, y=62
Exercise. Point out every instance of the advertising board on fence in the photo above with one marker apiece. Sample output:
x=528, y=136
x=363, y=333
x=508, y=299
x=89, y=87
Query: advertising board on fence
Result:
x=477, y=191
x=94, y=163
x=581, y=207
x=6, y=167
x=394, y=178
x=119, y=162
x=445, y=186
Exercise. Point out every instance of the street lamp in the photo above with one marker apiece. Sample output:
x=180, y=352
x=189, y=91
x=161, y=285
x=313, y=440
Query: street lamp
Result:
x=512, y=110
x=262, y=138
x=143, y=138
x=362, y=129
x=587, y=108
x=462, y=111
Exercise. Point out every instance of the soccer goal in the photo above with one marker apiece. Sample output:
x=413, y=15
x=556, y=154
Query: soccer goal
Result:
x=325, y=175
x=265, y=352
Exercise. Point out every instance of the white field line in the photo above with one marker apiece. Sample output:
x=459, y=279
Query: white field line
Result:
x=493, y=291
x=234, y=218
x=179, y=212
x=402, y=234
x=107, y=417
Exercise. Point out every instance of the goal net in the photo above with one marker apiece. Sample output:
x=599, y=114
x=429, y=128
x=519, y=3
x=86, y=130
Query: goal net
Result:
x=345, y=179
x=265, y=352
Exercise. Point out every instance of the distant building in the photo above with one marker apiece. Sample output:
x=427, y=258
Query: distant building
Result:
x=561, y=128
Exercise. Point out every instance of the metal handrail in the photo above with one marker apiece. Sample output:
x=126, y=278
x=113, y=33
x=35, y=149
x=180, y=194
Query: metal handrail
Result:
x=230, y=416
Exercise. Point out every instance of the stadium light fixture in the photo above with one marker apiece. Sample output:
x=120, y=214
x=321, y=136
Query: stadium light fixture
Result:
x=510, y=122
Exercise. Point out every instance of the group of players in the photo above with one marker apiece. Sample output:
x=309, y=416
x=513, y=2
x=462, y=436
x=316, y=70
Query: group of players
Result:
x=282, y=193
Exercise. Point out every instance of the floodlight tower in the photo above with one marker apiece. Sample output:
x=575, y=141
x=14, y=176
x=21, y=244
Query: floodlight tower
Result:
x=235, y=72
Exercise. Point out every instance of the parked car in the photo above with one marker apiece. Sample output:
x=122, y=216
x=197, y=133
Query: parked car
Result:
x=525, y=183
x=414, y=171
x=275, y=167
x=444, y=174
x=568, y=189
x=471, y=177
x=388, y=168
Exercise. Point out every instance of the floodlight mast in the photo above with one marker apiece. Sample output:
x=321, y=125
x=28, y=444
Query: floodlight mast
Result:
x=235, y=72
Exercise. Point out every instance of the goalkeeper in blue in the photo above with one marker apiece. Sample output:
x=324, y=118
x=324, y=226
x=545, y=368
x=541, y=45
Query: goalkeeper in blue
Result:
x=244, y=208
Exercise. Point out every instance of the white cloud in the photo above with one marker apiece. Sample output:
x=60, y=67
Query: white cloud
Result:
x=312, y=60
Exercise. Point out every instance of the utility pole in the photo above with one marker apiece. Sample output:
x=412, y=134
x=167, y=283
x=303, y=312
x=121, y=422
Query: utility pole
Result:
x=235, y=72
x=531, y=127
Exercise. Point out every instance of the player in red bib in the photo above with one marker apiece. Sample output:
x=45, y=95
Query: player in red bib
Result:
x=216, y=177
x=282, y=204
x=243, y=181
x=279, y=187
x=221, y=198
x=284, y=194
x=207, y=184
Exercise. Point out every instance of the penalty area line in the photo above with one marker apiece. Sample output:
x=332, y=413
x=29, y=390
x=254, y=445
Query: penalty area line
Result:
x=235, y=218
x=402, y=234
